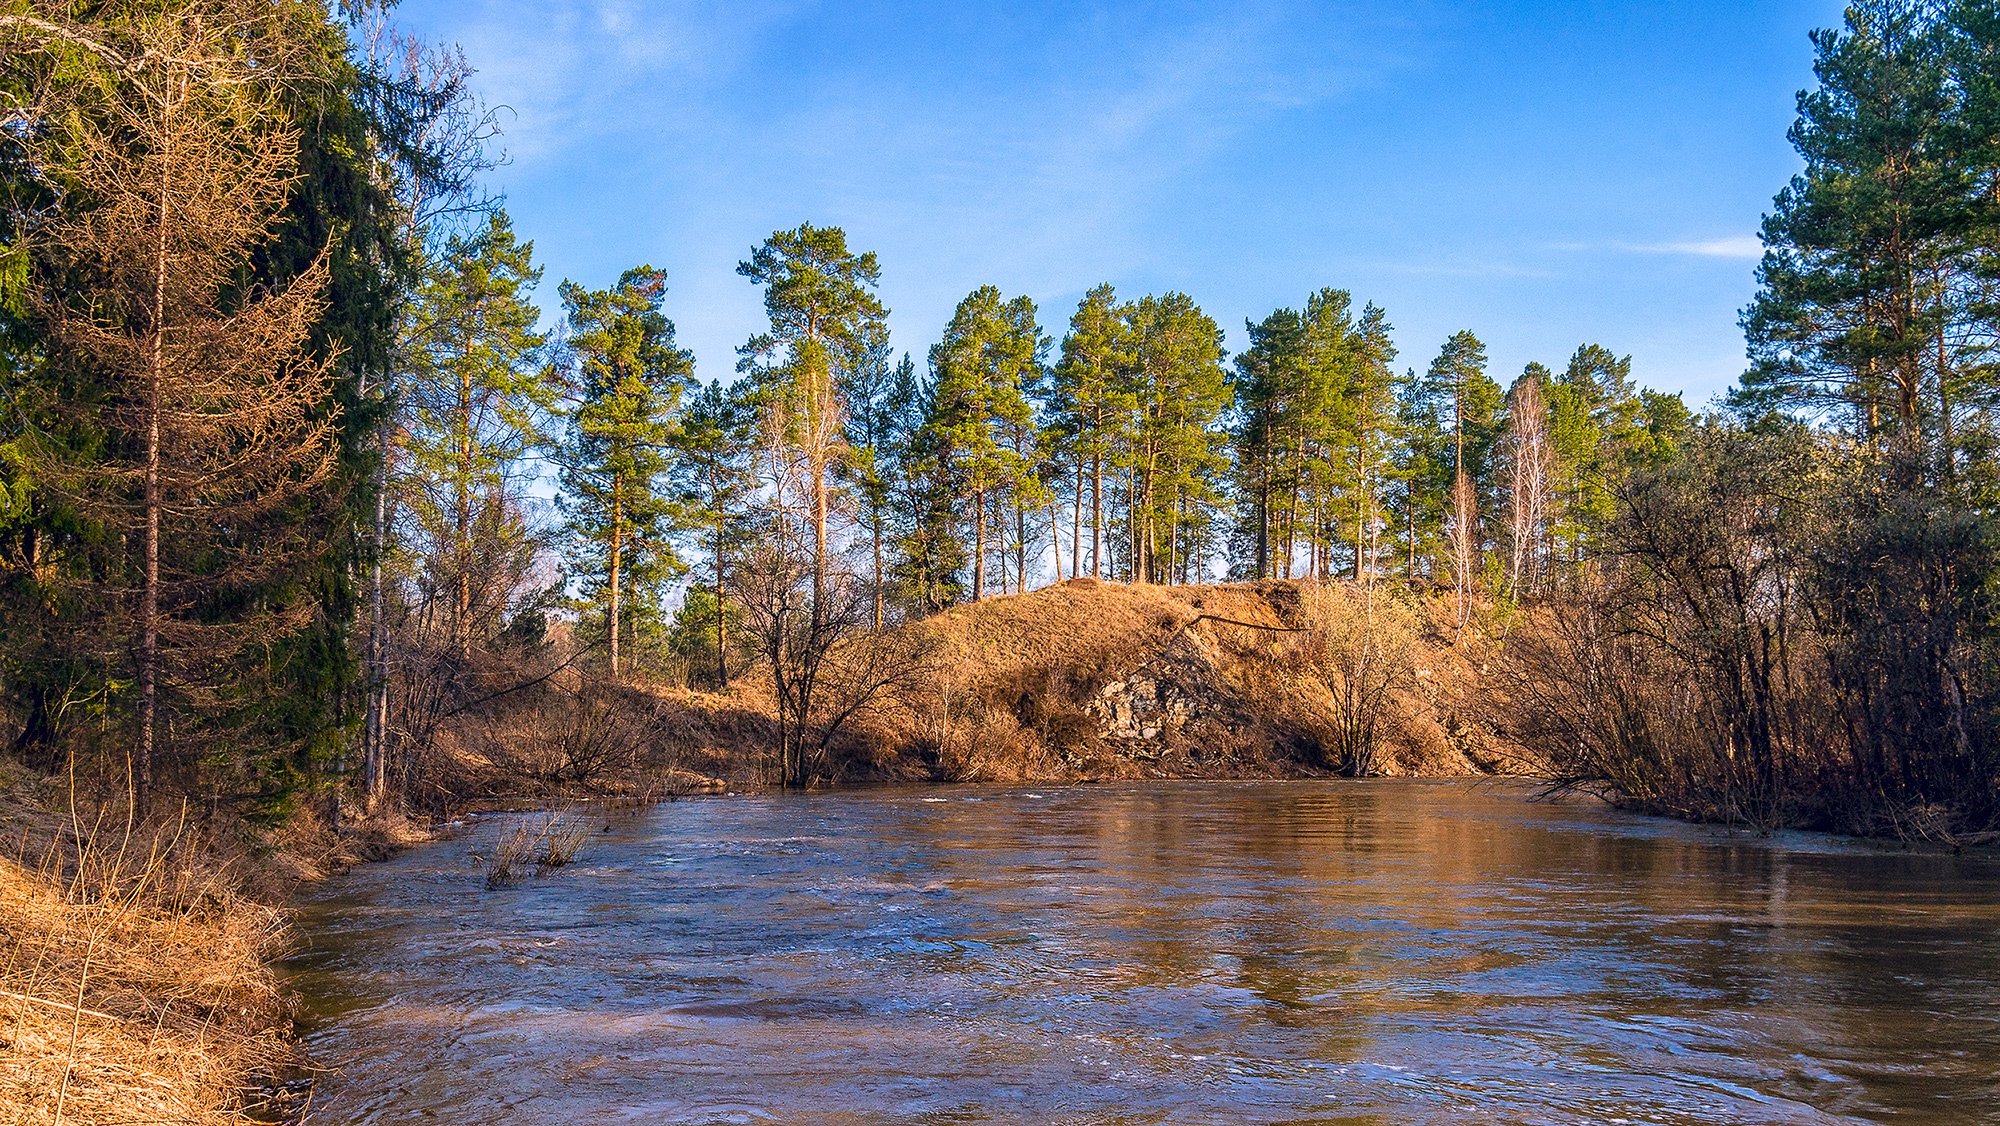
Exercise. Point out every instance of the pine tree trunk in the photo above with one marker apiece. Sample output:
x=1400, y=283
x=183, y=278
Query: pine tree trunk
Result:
x=1055, y=533
x=978, y=544
x=1076, y=525
x=461, y=629
x=1263, y=520
x=374, y=767
x=149, y=599
x=875, y=526
x=1363, y=506
x=1410, y=520
x=721, y=612
x=819, y=546
x=1020, y=546
x=617, y=550
x=1097, y=516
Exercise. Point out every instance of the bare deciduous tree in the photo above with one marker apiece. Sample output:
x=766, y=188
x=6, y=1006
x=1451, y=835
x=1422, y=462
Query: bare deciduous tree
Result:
x=1530, y=465
x=1361, y=644
x=827, y=665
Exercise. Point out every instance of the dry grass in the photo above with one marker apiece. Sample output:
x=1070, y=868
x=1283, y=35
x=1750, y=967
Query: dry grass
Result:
x=1031, y=681
x=542, y=842
x=562, y=840
x=133, y=983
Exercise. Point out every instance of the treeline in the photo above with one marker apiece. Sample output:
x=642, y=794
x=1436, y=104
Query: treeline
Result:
x=1794, y=617
x=281, y=418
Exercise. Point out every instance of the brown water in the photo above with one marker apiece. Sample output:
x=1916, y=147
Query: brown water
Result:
x=1373, y=952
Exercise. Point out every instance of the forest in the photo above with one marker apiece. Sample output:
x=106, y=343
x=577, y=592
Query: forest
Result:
x=294, y=469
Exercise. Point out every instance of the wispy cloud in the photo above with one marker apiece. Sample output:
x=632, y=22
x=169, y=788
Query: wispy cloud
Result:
x=966, y=146
x=1462, y=269
x=1732, y=247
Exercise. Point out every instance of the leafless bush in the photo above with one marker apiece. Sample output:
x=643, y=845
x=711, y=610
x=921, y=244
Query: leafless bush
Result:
x=511, y=854
x=1768, y=644
x=568, y=741
x=1361, y=644
x=543, y=841
x=562, y=840
x=827, y=667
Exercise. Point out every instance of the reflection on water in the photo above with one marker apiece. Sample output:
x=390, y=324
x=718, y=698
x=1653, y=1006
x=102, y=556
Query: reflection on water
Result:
x=1375, y=952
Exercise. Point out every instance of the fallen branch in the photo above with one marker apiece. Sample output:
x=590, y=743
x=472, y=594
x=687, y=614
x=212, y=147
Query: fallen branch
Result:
x=65, y=1006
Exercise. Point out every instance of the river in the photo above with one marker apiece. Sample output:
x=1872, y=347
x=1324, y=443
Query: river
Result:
x=1325, y=952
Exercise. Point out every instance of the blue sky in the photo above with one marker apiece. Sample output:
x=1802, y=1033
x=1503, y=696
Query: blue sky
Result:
x=1543, y=174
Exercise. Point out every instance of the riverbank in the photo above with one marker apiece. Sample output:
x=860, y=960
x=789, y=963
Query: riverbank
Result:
x=136, y=981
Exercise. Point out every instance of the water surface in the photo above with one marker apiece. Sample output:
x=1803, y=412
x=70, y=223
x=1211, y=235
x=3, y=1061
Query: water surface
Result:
x=1328, y=952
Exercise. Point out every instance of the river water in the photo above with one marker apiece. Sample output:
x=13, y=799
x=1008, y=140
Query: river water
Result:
x=1327, y=952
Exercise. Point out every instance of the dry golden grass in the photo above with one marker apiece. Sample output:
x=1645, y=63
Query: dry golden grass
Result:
x=1094, y=627
x=1021, y=694
x=134, y=985
x=543, y=842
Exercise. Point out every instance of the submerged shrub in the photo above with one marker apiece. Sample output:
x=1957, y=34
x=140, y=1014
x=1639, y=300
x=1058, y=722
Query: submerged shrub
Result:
x=545, y=841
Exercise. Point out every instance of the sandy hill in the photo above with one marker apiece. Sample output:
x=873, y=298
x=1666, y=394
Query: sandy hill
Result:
x=1096, y=679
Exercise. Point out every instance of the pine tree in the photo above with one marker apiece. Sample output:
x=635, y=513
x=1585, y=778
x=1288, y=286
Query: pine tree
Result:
x=713, y=486
x=623, y=378
x=825, y=321
x=1594, y=423
x=1178, y=449
x=1257, y=444
x=476, y=405
x=1424, y=452
x=1094, y=410
x=1466, y=404
x=1370, y=429
x=1849, y=313
x=925, y=485
x=990, y=352
x=866, y=391
x=1272, y=437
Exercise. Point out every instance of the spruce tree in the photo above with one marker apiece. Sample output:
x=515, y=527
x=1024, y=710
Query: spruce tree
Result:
x=213, y=405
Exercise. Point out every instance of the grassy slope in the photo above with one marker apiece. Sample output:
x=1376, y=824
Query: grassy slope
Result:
x=1027, y=687
x=135, y=979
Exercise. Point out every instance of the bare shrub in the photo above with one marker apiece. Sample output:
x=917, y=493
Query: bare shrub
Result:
x=1361, y=644
x=511, y=854
x=1709, y=669
x=563, y=840
x=568, y=741
x=826, y=667
x=541, y=841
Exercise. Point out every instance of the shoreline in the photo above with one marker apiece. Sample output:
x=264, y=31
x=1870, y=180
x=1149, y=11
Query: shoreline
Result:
x=208, y=920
